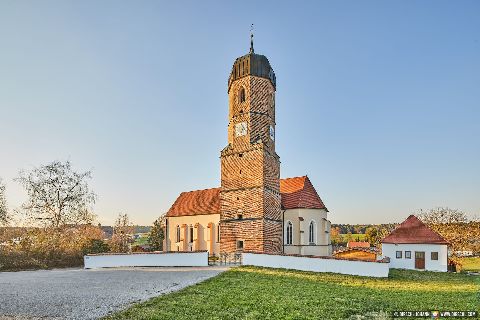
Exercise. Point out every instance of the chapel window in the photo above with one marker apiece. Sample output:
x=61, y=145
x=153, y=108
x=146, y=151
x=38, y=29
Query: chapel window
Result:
x=311, y=232
x=289, y=232
x=191, y=234
x=178, y=233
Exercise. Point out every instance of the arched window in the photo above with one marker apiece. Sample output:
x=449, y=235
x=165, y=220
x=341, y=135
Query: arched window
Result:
x=191, y=234
x=289, y=232
x=311, y=232
x=178, y=233
x=241, y=95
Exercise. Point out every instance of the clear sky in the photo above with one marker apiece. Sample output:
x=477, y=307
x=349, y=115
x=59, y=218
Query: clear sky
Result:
x=377, y=101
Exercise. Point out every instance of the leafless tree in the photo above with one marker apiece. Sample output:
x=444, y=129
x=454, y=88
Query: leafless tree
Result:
x=3, y=205
x=122, y=234
x=455, y=227
x=57, y=194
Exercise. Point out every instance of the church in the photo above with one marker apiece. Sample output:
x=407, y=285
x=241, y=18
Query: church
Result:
x=253, y=209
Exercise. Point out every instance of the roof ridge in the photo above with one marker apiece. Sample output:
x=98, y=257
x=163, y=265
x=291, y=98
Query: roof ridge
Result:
x=300, y=199
x=293, y=177
x=200, y=190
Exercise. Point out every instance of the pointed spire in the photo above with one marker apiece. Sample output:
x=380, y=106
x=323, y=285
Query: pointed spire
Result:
x=251, y=39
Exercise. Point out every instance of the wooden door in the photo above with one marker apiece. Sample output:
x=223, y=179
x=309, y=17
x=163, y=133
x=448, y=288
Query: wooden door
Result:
x=419, y=260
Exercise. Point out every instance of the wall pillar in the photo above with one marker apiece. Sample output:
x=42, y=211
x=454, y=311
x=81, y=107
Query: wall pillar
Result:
x=184, y=241
x=197, y=231
x=210, y=238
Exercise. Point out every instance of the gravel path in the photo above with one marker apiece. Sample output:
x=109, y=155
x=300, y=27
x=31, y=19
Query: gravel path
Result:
x=88, y=294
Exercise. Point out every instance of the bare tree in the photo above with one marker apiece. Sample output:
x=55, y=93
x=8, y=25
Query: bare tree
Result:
x=57, y=194
x=454, y=226
x=122, y=234
x=3, y=205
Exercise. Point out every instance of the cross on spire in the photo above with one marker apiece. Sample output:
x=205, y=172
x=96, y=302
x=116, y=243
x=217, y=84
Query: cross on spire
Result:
x=251, y=39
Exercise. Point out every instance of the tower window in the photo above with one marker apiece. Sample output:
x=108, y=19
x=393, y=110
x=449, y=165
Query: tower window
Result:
x=178, y=233
x=239, y=244
x=241, y=95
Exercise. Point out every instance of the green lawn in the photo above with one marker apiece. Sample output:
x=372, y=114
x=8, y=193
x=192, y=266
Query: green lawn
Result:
x=261, y=293
x=355, y=236
x=471, y=264
x=142, y=240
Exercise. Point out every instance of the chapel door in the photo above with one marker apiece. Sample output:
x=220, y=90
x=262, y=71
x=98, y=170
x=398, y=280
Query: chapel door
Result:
x=419, y=260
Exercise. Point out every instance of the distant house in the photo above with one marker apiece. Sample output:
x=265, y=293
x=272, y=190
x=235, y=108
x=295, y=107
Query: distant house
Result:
x=358, y=244
x=413, y=245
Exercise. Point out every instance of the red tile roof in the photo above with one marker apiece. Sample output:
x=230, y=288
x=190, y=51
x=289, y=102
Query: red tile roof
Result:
x=299, y=192
x=412, y=230
x=296, y=192
x=196, y=202
x=358, y=244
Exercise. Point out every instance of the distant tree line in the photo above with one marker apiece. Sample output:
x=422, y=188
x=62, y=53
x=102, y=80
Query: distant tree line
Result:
x=341, y=234
x=461, y=232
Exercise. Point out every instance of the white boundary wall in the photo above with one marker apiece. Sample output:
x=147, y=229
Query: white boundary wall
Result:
x=177, y=259
x=318, y=264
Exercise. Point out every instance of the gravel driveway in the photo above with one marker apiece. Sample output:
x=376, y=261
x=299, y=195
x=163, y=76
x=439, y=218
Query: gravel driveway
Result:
x=89, y=294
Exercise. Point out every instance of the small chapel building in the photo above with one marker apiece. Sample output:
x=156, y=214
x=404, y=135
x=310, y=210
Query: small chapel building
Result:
x=413, y=245
x=253, y=209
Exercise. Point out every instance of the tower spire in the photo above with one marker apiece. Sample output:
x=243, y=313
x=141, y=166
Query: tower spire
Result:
x=251, y=39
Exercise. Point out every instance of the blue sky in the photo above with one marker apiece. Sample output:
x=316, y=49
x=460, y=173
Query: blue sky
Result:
x=377, y=101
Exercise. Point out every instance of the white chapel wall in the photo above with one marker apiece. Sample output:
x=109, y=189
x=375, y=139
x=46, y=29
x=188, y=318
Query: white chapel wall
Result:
x=389, y=250
x=300, y=243
x=202, y=233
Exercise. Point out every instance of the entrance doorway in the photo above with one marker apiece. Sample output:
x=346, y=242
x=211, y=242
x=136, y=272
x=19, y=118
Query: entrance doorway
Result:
x=419, y=260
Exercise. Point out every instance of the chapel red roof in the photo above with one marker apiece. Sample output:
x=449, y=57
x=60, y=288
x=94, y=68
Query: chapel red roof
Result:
x=412, y=230
x=295, y=192
x=196, y=202
x=299, y=192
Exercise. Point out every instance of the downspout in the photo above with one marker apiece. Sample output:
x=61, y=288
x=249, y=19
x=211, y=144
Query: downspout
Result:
x=283, y=231
x=167, y=236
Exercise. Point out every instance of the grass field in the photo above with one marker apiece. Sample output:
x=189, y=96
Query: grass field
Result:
x=355, y=236
x=141, y=240
x=261, y=293
x=471, y=264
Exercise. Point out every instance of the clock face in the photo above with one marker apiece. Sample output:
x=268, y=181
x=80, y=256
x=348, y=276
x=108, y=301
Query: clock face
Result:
x=241, y=129
x=272, y=133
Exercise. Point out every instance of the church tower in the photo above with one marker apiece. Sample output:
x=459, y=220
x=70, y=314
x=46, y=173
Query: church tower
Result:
x=250, y=218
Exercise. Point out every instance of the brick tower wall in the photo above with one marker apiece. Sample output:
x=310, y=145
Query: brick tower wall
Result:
x=250, y=172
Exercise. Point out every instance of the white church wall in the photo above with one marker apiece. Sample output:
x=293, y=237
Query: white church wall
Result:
x=390, y=249
x=202, y=233
x=301, y=244
x=161, y=259
x=359, y=268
